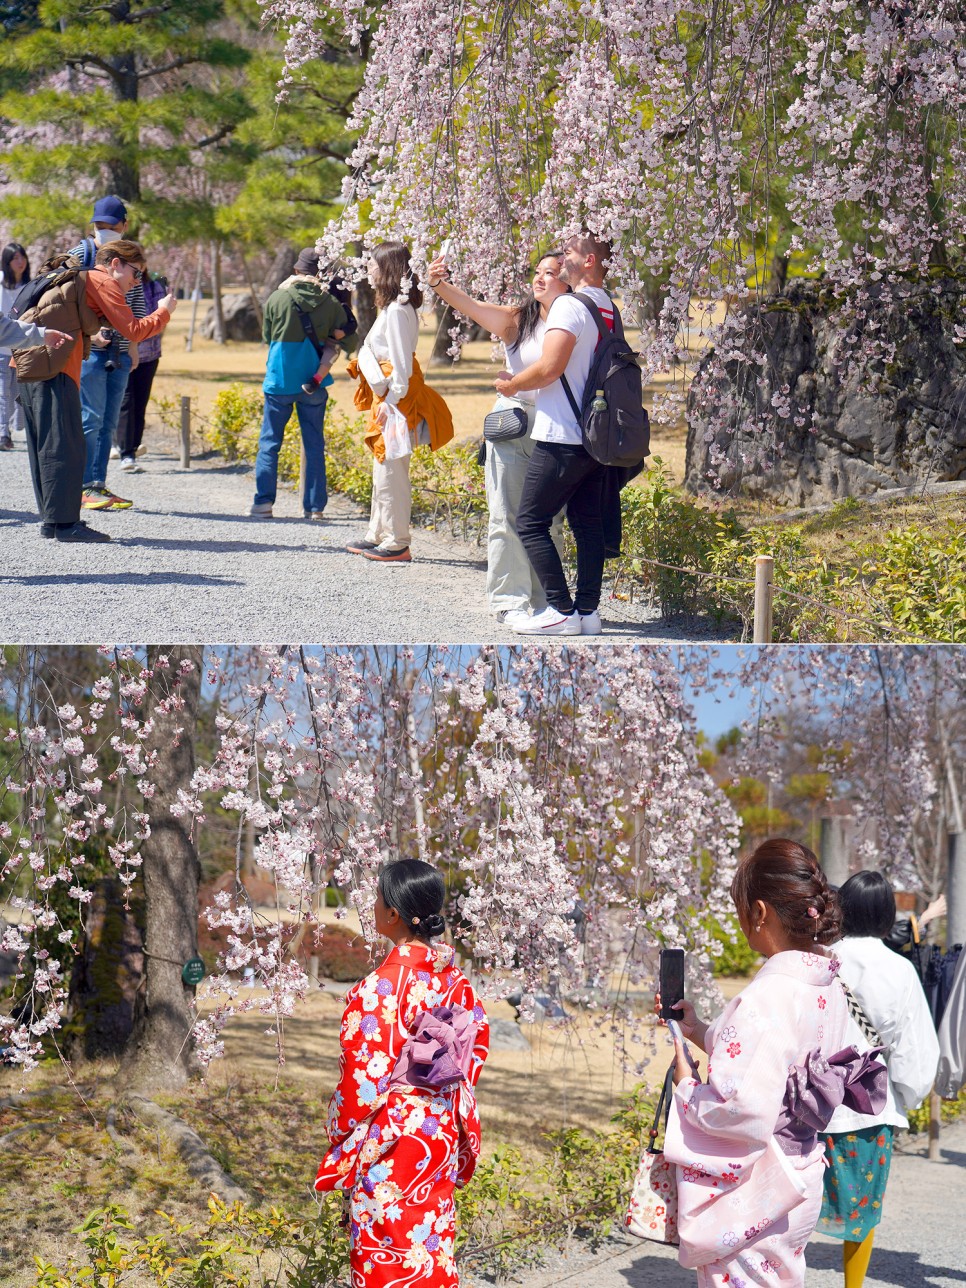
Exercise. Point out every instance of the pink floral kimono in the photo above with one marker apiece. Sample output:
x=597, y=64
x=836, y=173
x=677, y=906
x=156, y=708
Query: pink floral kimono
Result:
x=746, y=1208
x=399, y=1150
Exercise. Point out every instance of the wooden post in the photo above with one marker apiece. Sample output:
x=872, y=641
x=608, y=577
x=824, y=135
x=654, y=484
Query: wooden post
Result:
x=935, y=1118
x=185, y=432
x=764, y=595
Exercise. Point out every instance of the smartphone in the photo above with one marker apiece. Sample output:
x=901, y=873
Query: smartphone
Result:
x=444, y=250
x=672, y=982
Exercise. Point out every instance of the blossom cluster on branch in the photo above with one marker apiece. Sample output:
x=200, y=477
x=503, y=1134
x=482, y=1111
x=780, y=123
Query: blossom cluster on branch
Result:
x=710, y=142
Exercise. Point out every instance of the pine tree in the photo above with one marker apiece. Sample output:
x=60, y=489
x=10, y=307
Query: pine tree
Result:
x=133, y=97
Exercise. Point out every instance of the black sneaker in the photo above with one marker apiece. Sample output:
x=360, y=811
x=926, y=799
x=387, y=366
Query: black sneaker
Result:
x=79, y=531
x=361, y=546
x=48, y=530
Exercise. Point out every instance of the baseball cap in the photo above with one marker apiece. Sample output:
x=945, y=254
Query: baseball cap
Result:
x=109, y=210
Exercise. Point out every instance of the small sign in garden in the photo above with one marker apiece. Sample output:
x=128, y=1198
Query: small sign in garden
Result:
x=193, y=971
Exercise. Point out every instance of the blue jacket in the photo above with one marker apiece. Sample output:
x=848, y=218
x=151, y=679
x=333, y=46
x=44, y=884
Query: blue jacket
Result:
x=292, y=358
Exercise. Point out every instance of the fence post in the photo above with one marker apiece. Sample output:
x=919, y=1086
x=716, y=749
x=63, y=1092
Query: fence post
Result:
x=935, y=1120
x=185, y=432
x=764, y=595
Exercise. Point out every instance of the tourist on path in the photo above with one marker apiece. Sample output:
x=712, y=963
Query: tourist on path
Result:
x=401, y=1138
x=389, y=379
x=137, y=394
x=301, y=316
x=894, y=1007
x=107, y=368
x=562, y=473
x=749, y=1155
x=50, y=388
x=513, y=589
x=14, y=274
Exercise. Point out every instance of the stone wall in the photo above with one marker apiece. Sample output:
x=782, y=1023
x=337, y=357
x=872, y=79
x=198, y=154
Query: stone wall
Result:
x=907, y=427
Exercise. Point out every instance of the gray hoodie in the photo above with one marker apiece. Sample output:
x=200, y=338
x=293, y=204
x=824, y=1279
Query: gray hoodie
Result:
x=20, y=335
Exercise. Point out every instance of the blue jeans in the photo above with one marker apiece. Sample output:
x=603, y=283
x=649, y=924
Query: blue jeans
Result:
x=102, y=393
x=310, y=409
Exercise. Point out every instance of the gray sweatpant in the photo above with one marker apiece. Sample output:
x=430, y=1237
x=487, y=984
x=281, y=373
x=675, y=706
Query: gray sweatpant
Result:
x=55, y=446
x=11, y=413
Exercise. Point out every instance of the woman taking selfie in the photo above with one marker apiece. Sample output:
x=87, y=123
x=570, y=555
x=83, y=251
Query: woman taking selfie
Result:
x=389, y=379
x=749, y=1157
x=403, y=1124
x=512, y=586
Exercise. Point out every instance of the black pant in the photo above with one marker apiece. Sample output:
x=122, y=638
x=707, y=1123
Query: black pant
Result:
x=56, y=446
x=560, y=475
x=130, y=424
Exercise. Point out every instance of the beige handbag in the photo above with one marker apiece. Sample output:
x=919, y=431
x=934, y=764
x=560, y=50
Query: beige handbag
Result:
x=653, y=1210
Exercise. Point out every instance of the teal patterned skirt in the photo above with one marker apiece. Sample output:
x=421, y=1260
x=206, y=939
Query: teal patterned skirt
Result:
x=855, y=1182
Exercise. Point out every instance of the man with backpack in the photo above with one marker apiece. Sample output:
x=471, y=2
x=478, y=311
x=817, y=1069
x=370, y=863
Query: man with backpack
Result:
x=77, y=302
x=300, y=318
x=577, y=437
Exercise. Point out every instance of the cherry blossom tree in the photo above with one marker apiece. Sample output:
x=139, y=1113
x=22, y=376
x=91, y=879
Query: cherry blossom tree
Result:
x=713, y=143
x=560, y=792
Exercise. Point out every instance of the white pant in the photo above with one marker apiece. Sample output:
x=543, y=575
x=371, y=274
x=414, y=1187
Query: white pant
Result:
x=511, y=582
x=11, y=413
x=392, y=503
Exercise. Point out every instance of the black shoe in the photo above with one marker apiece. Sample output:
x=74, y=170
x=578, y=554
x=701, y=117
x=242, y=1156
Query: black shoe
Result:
x=47, y=530
x=79, y=531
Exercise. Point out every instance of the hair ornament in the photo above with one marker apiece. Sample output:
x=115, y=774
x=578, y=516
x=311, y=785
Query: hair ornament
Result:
x=415, y=921
x=813, y=912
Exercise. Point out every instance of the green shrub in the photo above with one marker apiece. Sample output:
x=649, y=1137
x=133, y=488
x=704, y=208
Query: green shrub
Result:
x=950, y=1110
x=235, y=423
x=736, y=957
x=915, y=579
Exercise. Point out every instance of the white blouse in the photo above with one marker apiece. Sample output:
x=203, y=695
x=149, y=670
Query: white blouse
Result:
x=392, y=339
x=518, y=359
x=888, y=990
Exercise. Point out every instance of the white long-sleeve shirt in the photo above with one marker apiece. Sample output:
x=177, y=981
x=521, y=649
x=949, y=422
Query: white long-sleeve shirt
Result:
x=393, y=338
x=888, y=990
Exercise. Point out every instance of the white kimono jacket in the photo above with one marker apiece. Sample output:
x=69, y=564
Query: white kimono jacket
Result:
x=744, y=1207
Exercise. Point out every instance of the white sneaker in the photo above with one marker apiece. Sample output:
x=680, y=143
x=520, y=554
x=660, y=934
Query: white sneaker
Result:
x=141, y=450
x=590, y=623
x=549, y=622
x=261, y=510
x=115, y=454
x=128, y=464
x=512, y=617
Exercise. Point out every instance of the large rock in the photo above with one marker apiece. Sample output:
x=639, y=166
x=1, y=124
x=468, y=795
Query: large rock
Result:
x=903, y=426
x=242, y=319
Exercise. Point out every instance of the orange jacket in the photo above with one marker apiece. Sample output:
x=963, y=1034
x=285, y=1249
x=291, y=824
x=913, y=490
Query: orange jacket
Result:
x=420, y=403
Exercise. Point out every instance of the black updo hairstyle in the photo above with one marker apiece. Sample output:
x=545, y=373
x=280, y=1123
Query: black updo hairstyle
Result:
x=788, y=877
x=416, y=890
x=868, y=906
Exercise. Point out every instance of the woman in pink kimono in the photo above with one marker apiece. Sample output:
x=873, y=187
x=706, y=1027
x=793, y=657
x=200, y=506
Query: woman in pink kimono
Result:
x=403, y=1124
x=749, y=1156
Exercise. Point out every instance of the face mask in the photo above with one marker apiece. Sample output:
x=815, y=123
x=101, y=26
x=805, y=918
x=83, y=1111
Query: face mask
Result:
x=104, y=235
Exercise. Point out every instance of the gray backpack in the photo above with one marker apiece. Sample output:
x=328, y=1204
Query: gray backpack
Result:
x=615, y=426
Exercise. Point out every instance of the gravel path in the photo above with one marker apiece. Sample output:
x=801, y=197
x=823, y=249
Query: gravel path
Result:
x=188, y=563
x=920, y=1242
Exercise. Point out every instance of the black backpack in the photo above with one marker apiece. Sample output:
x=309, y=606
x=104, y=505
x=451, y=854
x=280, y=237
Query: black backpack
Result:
x=615, y=427
x=32, y=292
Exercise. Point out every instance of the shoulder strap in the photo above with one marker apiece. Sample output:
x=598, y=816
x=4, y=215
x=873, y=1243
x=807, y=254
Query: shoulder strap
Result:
x=663, y=1110
x=308, y=326
x=595, y=313
x=570, y=397
x=869, y=1031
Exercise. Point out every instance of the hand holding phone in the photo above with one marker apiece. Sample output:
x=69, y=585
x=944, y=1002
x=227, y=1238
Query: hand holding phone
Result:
x=672, y=982
x=444, y=250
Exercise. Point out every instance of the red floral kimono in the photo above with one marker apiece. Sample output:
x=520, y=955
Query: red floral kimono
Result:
x=399, y=1153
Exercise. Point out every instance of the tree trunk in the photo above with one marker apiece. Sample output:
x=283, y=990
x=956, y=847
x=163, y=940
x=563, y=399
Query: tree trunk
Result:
x=216, y=300
x=160, y=1055
x=107, y=976
x=364, y=307
x=280, y=268
x=445, y=318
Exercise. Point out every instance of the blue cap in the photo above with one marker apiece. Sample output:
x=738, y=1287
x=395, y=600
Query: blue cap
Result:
x=109, y=210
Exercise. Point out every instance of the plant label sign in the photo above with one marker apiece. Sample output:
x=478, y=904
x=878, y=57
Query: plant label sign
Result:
x=193, y=971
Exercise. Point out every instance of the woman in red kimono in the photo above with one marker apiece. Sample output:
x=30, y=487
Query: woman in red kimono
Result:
x=403, y=1124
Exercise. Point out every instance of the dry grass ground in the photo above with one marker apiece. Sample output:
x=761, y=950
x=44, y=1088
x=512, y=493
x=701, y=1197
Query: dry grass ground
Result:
x=263, y=1123
x=467, y=386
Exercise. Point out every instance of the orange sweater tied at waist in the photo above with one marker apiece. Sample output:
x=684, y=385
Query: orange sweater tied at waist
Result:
x=420, y=403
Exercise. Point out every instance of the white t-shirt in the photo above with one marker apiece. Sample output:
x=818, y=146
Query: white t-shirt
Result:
x=555, y=421
x=526, y=353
